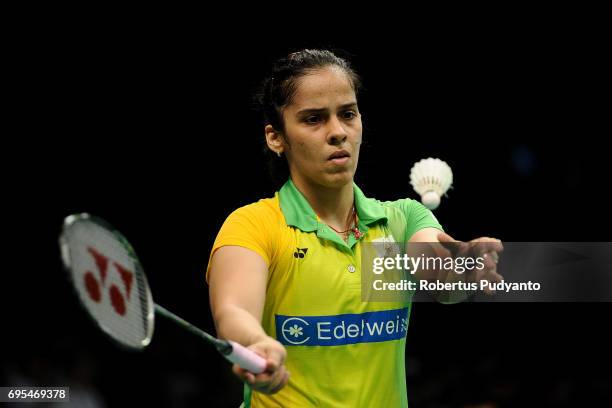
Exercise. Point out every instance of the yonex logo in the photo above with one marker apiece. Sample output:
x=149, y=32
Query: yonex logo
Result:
x=300, y=252
x=94, y=286
x=342, y=329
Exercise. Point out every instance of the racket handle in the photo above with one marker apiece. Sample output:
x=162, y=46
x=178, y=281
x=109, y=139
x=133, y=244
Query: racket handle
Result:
x=246, y=358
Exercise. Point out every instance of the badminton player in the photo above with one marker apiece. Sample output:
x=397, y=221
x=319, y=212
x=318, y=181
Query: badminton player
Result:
x=284, y=272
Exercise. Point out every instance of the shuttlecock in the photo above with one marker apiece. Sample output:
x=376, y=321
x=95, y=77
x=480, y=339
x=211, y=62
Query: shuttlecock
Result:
x=431, y=178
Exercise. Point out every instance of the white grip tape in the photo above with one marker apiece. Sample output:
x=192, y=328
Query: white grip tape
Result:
x=246, y=358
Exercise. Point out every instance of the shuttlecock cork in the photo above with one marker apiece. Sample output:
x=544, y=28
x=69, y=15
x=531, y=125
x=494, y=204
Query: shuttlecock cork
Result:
x=431, y=178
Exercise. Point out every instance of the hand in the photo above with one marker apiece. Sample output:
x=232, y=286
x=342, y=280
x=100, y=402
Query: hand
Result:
x=488, y=248
x=275, y=376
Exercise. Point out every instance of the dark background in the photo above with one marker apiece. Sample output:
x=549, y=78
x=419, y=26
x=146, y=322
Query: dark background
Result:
x=155, y=132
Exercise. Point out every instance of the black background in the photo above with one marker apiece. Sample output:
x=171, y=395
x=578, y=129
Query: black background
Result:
x=154, y=131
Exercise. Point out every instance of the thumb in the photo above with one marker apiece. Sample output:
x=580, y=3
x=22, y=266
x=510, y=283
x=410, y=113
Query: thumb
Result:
x=275, y=359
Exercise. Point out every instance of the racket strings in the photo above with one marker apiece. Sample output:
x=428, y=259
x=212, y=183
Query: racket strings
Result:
x=110, y=283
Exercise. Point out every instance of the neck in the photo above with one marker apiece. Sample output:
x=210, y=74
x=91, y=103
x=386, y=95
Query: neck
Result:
x=333, y=205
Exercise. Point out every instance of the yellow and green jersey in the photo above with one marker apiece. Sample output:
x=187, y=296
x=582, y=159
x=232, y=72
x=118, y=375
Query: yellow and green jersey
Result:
x=341, y=351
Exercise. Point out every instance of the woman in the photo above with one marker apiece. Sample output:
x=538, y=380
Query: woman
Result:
x=285, y=273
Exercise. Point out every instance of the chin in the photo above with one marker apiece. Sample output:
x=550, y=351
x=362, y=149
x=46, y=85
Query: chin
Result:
x=336, y=180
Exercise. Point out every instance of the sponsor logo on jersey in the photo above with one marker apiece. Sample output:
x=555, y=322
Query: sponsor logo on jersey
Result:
x=336, y=330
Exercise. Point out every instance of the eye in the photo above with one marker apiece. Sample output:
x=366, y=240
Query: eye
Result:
x=348, y=115
x=312, y=119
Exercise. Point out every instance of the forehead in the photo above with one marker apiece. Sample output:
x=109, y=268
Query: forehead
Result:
x=323, y=87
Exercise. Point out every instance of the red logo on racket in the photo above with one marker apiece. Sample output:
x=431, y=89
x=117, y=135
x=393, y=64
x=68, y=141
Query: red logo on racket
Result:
x=94, y=288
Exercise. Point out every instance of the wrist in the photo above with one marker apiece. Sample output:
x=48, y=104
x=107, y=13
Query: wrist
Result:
x=257, y=337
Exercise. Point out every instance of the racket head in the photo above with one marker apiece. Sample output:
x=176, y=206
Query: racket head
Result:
x=108, y=279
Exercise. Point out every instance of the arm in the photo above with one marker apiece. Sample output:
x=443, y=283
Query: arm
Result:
x=237, y=280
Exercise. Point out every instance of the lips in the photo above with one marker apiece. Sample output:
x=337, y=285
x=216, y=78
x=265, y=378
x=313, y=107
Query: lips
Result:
x=339, y=155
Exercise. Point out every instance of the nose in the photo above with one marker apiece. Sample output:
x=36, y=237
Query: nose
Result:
x=336, y=132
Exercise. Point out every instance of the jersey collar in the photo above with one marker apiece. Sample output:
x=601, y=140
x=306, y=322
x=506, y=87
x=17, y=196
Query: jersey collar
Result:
x=299, y=213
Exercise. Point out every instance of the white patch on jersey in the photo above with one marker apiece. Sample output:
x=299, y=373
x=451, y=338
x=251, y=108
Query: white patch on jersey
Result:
x=386, y=247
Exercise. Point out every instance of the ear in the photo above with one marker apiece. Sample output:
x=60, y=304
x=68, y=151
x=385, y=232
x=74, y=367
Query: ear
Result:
x=274, y=139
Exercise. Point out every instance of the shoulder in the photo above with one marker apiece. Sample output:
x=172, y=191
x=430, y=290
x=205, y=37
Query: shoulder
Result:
x=407, y=206
x=254, y=226
x=264, y=210
x=403, y=204
x=263, y=217
x=411, y=213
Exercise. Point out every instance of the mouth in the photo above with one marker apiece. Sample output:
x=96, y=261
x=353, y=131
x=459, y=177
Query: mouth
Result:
x=339, y=158
x=339, y=155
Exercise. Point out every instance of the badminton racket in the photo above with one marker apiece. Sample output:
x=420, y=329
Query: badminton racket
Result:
x=112, y=287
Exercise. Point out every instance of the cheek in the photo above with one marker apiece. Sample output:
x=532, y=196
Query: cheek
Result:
x=301, y=151
x=358, y=136
x=305, y=145
x=358, y=131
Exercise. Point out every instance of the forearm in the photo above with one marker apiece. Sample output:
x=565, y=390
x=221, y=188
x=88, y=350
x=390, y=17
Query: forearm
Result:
x=237, y=282
x=237, y=324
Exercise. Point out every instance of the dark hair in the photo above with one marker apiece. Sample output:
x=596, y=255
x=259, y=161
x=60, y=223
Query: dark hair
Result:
x=278, y=89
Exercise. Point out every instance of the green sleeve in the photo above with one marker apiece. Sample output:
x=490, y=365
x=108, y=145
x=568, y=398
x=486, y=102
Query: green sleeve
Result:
x=417, y=216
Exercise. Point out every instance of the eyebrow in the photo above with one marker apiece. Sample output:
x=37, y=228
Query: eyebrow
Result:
x=319, y=110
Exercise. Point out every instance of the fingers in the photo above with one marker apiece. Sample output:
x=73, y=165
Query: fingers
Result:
x=267, y=383
x=275, y=357
x=275, y=376
x=243, y=374
x=477, y=247
x=279, y=382
x=493, y=255
x=451, y=244
x=489, y=272
x=486, y=247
